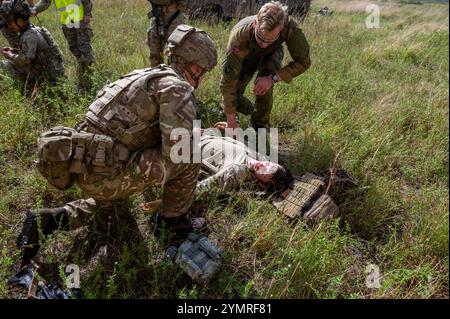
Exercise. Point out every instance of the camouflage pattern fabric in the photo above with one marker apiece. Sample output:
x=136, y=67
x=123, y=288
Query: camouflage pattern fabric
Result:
x=172, y=16
x=80, y=44
x=157, y=101
x=38, y=56
x=245, y=57
x=11, y=37
x=146, y=168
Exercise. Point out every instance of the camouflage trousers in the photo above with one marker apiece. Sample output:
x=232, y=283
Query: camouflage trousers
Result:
x=145, y=168
x=261, y=109
x=80, y=43
x=11, y=37
x=30, y=74
x=171, y=20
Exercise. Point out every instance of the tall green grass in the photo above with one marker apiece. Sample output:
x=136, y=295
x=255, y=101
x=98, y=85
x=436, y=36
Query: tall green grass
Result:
x=375, y=101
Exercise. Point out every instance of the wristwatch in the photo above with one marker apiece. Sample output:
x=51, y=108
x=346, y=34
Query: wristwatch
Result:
x=275, y=78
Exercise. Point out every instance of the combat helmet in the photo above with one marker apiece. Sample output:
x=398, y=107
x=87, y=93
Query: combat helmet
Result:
x=191, y=45
x=12, y=8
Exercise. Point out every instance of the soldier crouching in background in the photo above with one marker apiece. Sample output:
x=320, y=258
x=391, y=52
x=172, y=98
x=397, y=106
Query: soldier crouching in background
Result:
x=37, y=57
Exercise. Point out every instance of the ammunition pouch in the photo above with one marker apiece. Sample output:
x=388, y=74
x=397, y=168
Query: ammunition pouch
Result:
x=63, y=152
x=198, y=257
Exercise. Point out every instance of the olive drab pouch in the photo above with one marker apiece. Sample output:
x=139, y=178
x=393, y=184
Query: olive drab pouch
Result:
x=198, y=257
x=54, y=156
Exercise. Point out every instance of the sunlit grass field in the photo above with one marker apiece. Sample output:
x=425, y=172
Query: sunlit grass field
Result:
x=375, y=102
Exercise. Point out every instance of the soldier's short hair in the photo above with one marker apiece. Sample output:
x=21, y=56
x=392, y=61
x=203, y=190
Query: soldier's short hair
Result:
x=271, y=15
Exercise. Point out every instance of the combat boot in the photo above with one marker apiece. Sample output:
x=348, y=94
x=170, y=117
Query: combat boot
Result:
x=172, y=231
x=49, y=221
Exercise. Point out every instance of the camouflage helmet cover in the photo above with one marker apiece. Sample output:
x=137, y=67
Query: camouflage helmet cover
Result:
x=11, y=8
x=191, y=45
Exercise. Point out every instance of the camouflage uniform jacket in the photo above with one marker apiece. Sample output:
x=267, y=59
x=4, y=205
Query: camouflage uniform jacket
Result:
x=242, y=47
x=228, y=161
x=43, y=5
x=38, y=52
x=144, y=114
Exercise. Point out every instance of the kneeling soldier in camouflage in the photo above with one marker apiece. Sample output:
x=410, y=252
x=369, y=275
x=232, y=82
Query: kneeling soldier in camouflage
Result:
x=124, y=144
x=37, y=56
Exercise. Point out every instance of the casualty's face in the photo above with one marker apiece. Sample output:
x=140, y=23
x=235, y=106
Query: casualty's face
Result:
x=264, y=171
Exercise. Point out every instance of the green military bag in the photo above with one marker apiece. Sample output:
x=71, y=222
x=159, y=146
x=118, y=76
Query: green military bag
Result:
x=63, y=151
x=54, y=156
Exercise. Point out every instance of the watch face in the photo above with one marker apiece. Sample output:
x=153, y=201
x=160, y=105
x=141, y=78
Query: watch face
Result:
x=275, y=78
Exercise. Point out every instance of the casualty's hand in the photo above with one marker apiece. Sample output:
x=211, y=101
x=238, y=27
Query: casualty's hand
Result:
x=262, y=85
x=221, y=126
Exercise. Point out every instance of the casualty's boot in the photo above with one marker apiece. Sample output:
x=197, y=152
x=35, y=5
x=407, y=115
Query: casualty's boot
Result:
x=49, y=221
x=174, y=230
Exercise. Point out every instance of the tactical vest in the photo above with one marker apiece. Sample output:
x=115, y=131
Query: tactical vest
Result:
x=51, y=59
x=127, y=110
x=70, y=11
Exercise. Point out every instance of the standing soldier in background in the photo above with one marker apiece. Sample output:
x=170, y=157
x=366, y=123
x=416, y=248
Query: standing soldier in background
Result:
x=36, y=57
x=75, y=17
x=256, y=44
x=165, y=16
x=11, y=36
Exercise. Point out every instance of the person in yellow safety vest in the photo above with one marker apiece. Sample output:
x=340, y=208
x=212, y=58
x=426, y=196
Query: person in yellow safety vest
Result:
x=75, y=17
